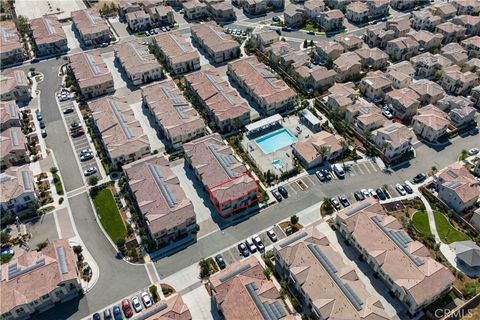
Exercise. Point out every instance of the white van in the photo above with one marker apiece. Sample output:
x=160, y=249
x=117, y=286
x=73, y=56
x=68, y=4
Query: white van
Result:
x=337, y=168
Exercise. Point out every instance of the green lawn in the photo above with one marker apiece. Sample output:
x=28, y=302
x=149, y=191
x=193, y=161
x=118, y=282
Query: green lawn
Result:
x=309, y=27
x=109, y=215
x=420, y=223
x=442, y=303
x=446, y=231
x=58, y=183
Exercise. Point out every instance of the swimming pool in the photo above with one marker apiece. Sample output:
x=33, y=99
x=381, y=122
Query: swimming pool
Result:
x=275, y=141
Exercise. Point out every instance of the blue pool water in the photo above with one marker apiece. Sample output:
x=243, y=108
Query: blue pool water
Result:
x=275, y=141
x=277, y=163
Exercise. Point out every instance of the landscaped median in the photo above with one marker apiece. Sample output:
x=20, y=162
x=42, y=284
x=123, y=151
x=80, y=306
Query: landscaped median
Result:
x=109, y=215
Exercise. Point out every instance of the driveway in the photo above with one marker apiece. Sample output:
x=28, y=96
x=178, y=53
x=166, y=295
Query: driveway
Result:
x=118, y=80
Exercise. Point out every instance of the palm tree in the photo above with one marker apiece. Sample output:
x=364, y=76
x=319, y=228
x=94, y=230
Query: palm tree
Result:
x=344, y=146
x=323, y=151
x=384, y=147
x=327, y=204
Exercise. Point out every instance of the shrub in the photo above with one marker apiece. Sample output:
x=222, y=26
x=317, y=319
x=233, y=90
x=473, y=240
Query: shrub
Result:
x=4, y=237
x=294, y=219
x=204, y=268
x=60, y=200
x=53, y=170
x=154, y=292
x=42, y=245
x=93, y=180
x=77, y=249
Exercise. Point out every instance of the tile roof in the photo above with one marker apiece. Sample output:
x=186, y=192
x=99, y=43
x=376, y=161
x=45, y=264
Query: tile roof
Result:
x=404, y=43
x=89, y=69
x=161, y=199
x=371, y=53
x=89, y=21
x=406, y=262
x=346, y=61
x=309, y=149
x=48, y=269
x=9, y=37
x=366, y=113
x=173, y=308
x=135, y=57
x=432, y=117
x=457, y=178
x=213, y=37
x=405, y=97
x=14, y=182
x=396, y=134
x=171, y=109
x=12, y=140
x=8, y=111
x=12, y=80
x=377, y=80
x=426, y=87
x=47, y=29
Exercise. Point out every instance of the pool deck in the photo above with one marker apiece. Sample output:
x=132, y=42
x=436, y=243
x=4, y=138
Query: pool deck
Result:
x=265, y=161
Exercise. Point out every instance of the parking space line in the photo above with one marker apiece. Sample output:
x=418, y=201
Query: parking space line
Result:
x=292, y=188
x=359, y=169
x=370, y=167
x=310, y=179
x=366, y=167
x=374, y=167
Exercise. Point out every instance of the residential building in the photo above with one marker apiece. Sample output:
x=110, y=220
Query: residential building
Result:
x=402, y=48
x=264, y=38
x=394, y=140
x=425, y=20
x=393, y=255
x=223, y=176
x=430, y=123
x=377, y=36
x=476, y=96
x=331, y=20
x=318, y=277
x=139, y=64
x=428, y=41
x=91, y=74
x=271, y=94
x=319, y=147
x=277, y=50
x=451, y=32
x=276, y=5
x=13, y=147
x=350, y=42
x=293, y=60
x=401, y=74
x=328, y=50
x=456, y=53
x=429, y=91
x=364, y=116
x=378, y=8
x=9, y=115
x=255, y=7
x=14, y=85
x=93, y=29
x=463, y=116
x=194, y=9
x=472, y=65
x=12, y=46
x=313, y=8
x=126, y=6
x=400, y=26
x=222, y=12
x=315, y=78
x=455, y=81
x=339, y=102
x=178, y=121
x=470, y=7
x=402, y=4
x=222, y=103
x=457, y=187
x=446, y=11
x=161, y=15
x=168, y=215
x=219, y=46
x=470, y=23
x=472, y=45
x=18, y=191
x=177, y=52
x=375, y=85
x=357, y=12
x=347, y=66
x=120, y=133
x=48, y=36
x=341, y=96
x=428, y=65
x=37, y=280
x=372, y=58
x=454, y=102
x=138, y=21
x=294, y=16
x=403, y=103
x=241, y=291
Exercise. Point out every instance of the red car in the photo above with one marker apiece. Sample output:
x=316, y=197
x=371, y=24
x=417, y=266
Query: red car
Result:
x=396, y=120
x=127, y=308
x=77, y=133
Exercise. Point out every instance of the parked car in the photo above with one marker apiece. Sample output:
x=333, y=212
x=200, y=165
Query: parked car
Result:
x=39, y=115
x=75, y=125
x=366, y=194
x=77, y=133
x=326, y=173
x=474, y=131
x=472, y=151
x=275, y=19
x=107, y=315
x=136, y=304
x=387, y=114
x=96, y=316
x=381, y=195
x=400, y=189
x=277, y=195
x=343, y=200
x=320, y=176
x=372, y=193
x=407, y=188
x=220, y=262
x=86, y=156
x=419, y=178
x=287, y=29
x=147, y=302
x=127, y=308
x=243, y=249
x=7, y=251
x=84, y=151
x=250, y=245
x=283, y=191
x=337, y=168
x=258, y=242
x=67, y=110
x=89, y=171
x=336, y=204
x=311, y=32
x=44, y=133
x=42, y=124
x=117, y=314
x=272, y=235
x=358, y=196
x=288, y=230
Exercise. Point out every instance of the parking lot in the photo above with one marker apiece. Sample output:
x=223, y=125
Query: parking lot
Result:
x=81, y=142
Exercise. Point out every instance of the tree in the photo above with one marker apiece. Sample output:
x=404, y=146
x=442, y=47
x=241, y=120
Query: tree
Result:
x=22, y=25
x=53, y=170
x=294, y=219
x=344, y=146
x=311, y=43
x=93, y=180
x=154, y=292
x=4, y=237
x=120, y=244
x=77, y=249
x=42, y=245
x=323, y=152
x=204, y=268
x=267, y=272
x=327, y=204
x=305, y=43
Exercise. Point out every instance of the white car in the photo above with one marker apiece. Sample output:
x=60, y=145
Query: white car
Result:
x=372, y=193
x=258, y=242
x=365, y=193
x=136, y=304
x=89, y=171
x=472, y=151
x=387, y=114
x=400, y=189
x=146, y=299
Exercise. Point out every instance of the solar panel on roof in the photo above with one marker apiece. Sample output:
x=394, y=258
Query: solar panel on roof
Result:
x=358, y=208
x=452, y=174
x=269, y=311
x=61, y=260
x=174, y=38
x=18, y=77
x=164, y=188
x=293, y=239
x=390, y=129
x=6, y=35
x=93, y=18
x=14, y=272
x=26, y=180
x=13, y=109
x=121, y=121
x=454, y=184
x=14, y=136
x=225, y=160
x=91, y=62
x=219, y=89
x=139, y=52
x=5, y=178
x=235, y=273
x=50, y=28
